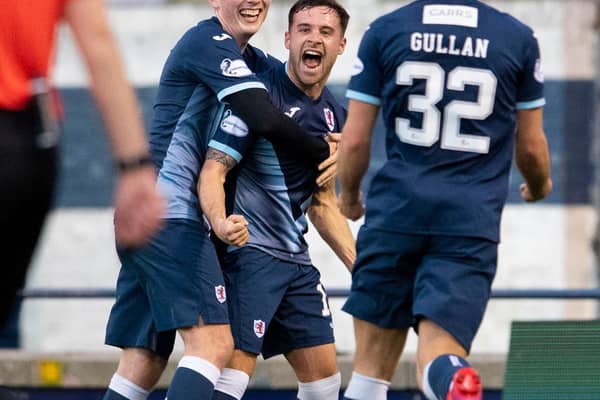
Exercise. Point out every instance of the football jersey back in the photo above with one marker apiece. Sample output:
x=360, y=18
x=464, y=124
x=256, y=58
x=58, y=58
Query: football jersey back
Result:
x=449, y=78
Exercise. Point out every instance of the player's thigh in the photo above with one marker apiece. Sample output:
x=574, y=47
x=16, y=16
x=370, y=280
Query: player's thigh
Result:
x=181, y=276
x=303, y=318
x=313, y=363
x=383, y=277
x=256, y=283
x=453, y=284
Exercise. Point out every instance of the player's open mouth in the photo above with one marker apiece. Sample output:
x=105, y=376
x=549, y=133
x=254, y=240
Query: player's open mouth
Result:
x=312, y=58
x=250, y=14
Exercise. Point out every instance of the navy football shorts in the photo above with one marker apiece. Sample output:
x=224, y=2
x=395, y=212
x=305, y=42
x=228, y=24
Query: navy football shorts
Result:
x=166, y=285
x=275, y=306
x=399, y=278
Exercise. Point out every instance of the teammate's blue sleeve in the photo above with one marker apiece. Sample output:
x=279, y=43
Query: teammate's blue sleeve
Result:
x=212, y=57
x=531, y=83
x=367, y=75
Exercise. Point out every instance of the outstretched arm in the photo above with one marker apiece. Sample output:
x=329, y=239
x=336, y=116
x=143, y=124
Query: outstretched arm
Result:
x=138, y=205
x=332, y=225
x=254, y=106
x=532, y=155
x=233, y=229
x=354, y=155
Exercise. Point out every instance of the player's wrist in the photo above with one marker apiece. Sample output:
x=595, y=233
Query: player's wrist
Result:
x=133, y=163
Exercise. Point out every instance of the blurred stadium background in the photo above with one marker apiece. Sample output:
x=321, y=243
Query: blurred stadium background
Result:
x=546, y=245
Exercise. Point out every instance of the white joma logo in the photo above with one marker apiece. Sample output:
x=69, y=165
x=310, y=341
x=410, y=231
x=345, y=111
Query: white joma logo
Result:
x=221, y=37
x=292, y=111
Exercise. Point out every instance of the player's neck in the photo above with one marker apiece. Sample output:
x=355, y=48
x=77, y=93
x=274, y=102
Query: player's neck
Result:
x=312, y=90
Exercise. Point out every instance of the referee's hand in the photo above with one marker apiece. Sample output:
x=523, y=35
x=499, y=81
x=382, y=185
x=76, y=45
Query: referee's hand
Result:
x=139, y=207
x=351, y=205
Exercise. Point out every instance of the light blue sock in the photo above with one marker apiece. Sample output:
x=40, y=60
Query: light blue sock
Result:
x=194, y=379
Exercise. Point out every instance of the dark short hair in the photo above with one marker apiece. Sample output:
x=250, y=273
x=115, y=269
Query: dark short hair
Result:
x=301, y=5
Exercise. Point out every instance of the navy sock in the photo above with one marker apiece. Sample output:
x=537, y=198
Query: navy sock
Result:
x=438, y=375
x=218, y=395
x=112, y=395
x=187, y=384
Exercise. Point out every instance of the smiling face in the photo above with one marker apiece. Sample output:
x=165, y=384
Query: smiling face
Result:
x=314, y=41
x=241, y=18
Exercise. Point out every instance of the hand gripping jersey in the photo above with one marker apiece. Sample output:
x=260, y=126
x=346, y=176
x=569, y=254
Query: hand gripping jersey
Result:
x=449, y=76
x=273, y=190
x=204, y=67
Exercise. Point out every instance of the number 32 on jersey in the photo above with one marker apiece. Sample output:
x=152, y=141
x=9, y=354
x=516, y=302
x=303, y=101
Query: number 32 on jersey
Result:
x=436, y=82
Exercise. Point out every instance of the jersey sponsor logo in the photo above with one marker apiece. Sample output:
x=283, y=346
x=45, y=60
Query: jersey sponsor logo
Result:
x=292, y=111
x=221, y=37
x=445, y=14
x=220, y=293
x=357, y=67
x=538, y=74
x=259, y=328
x=329, y=119
x=233, y=125
x=235, y=68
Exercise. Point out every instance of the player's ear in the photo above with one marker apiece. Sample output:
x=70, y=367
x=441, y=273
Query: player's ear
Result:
x=342, y=47
x=286, y=41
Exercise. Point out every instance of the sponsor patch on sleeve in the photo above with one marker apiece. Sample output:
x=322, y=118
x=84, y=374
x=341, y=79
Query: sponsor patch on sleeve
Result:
x=233, y=125
x=235, y=68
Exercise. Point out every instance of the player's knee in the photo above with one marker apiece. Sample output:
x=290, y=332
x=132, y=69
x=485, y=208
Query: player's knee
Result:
x=211, y=342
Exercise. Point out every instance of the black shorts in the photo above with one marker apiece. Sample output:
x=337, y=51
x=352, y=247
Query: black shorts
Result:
x=27, y=180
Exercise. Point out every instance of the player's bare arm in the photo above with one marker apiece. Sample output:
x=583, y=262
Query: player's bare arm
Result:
x=354, y=156
x=532, y=155
x=332, y=225
x=230, y=229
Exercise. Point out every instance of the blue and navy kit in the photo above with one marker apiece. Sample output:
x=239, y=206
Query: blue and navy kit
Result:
x=273, y=189
x=204, y=67
x=449, y=78
x=176, y=278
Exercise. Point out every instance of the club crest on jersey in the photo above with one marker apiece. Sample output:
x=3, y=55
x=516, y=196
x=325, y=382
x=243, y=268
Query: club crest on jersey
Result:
x=329, y=119
x=235, y=68
x=259, y=328
x=220, y=293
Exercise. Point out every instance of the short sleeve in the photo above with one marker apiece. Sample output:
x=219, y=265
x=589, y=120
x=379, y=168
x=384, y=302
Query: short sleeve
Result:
x=367, y=79
x=531, y=85
x=211, y=56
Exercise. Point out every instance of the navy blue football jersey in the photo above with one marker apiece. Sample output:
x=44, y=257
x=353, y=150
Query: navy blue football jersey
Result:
x=274, y=189
x=204, y=67
x=449, y=77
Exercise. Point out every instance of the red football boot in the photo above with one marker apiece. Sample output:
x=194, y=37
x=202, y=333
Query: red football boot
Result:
x=465, y=385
